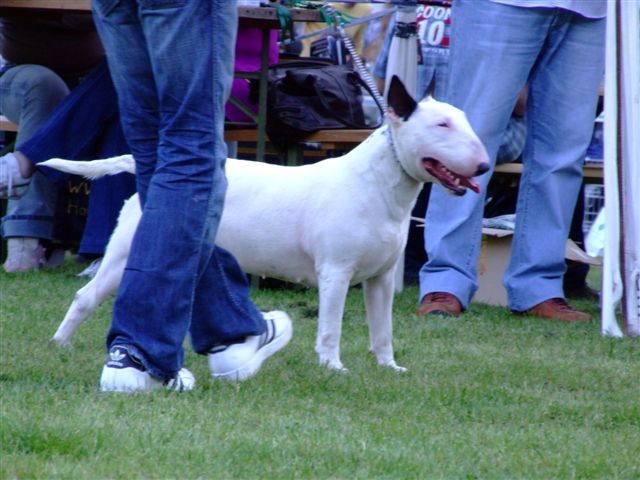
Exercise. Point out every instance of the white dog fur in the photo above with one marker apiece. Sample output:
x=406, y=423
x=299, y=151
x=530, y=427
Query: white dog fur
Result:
x=332, y=224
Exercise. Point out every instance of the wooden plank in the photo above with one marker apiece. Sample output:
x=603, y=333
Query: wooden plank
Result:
x=249, y=16
x=347, y=136
x=6, y=125
x=267, y=16
x=592, y=170
x=48, y=4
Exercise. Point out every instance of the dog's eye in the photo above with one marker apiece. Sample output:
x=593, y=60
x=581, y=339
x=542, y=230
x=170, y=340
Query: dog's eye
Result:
x=444, y=124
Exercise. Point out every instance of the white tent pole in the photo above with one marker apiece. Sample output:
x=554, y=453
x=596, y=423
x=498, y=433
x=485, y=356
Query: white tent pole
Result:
x=621, y=272
x=629, y=150
x=403, y=51
x=611, y=280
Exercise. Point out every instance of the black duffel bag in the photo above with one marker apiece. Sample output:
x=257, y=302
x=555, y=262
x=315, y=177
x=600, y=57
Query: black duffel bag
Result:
x=306, y=96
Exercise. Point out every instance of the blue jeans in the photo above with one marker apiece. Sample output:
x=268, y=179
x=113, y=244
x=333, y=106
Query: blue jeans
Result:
x=433, y=73
x=28, y=95
x=496, y=50
x=172, y=65
x=83, y=126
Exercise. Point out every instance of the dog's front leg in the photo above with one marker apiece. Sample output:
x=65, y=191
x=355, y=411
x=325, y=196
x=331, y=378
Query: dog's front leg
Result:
x=333, y=286
x=378, y=299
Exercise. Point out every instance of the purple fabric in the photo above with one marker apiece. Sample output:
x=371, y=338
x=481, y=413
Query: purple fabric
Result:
x=248, y=52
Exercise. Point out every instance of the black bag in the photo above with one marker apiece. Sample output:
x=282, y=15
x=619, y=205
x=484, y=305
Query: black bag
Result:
x=307, y=96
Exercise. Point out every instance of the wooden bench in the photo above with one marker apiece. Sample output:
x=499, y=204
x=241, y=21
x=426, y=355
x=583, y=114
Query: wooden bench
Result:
x=6, y=125
x=326, y=140
x=344, y=139
x=593, y=171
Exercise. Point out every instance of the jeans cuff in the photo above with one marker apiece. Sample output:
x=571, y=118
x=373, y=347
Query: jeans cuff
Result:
x=31, y=228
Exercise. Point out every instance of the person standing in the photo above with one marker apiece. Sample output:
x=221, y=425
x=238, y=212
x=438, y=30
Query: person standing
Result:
x=556, y=47
x=172, y=65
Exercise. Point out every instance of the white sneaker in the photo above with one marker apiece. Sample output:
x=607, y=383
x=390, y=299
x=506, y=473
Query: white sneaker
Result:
x=240, y=361
x=10, y=178
x=124, y=373
x=23, y=254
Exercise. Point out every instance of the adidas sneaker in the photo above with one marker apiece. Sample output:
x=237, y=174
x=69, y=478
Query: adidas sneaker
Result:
x=122, y=372
x=240, y=361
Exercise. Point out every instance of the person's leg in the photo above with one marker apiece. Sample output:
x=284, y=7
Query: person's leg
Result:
x=425, y=78
x=32, y=214
x=223, y=287
x=180, y=175
x=493, y=48
x=29, y=93
x=561, y=106
x=77, y=125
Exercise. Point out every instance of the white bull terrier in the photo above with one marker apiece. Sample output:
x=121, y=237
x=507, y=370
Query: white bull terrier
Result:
x=332, y=224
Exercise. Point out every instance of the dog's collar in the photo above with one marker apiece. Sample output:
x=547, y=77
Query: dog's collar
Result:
x=394, y=152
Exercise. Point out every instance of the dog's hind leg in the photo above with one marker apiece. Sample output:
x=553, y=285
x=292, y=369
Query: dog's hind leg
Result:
x=378, y=299
x=333, y=286
x=107, y=277
x=86, y=301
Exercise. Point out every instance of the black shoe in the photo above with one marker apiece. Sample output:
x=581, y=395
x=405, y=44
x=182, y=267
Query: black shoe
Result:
x=583, y=292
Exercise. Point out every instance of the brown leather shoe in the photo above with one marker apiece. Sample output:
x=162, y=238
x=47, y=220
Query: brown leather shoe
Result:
x=556, y=309
x=440, y=303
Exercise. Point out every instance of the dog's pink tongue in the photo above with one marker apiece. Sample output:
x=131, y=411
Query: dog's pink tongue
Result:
x=447, y=177
x=470, y=183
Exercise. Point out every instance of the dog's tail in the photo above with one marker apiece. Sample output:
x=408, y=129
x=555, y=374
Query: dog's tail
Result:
x=95, y=168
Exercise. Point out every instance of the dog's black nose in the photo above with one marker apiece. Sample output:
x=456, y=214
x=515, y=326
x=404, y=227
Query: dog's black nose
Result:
x=482, y=168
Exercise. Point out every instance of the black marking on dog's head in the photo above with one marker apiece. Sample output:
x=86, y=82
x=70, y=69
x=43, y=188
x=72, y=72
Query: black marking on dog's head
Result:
x=399, y=100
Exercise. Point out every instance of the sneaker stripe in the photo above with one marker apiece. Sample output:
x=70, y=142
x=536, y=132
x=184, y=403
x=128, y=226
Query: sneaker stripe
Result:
x=219, y=348
x=269, y=335
x=175, y=384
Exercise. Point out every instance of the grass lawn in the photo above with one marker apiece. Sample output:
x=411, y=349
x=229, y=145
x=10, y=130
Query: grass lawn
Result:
x=487, y=395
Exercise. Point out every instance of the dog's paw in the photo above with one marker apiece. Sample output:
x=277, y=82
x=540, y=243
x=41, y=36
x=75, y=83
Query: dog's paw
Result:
x=60, y=341
x=393, y=365
x=333, y=364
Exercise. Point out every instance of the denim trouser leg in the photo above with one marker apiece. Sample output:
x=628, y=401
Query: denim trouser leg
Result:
x=561, y=107
x=172, y=66
x=493, y=51
x=222, y=287
x=28, y=95
x=76, y=128
x=433, y=74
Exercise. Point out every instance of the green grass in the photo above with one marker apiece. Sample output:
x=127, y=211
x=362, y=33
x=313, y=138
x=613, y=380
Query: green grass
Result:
x=487, y=395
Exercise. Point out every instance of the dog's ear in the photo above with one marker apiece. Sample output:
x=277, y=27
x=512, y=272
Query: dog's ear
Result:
x=400, y=102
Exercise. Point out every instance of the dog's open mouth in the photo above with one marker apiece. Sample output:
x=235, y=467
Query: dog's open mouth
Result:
x=448, y=179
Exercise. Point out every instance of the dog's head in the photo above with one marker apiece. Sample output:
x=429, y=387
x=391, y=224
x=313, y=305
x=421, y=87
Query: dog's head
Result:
x=434, y=141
